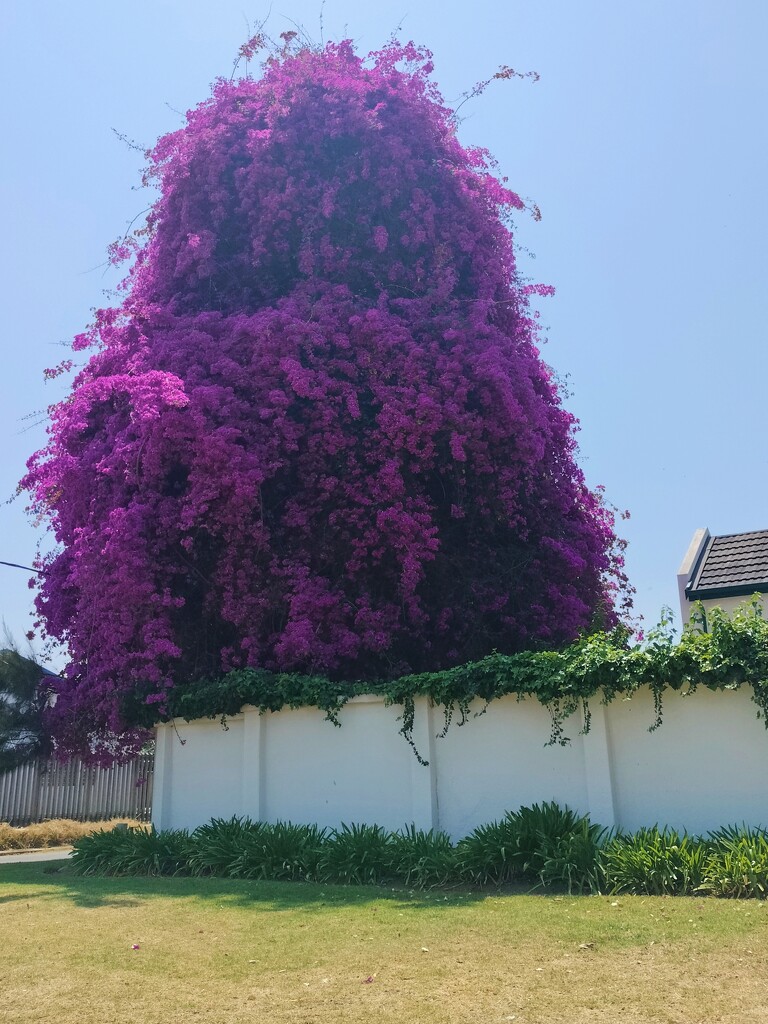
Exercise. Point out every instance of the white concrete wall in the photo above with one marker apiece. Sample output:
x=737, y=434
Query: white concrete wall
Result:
x=498, y=762
x=705, y=767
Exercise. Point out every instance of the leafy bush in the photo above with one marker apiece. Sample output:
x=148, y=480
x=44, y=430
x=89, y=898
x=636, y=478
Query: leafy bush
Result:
x=282, y=852
x=656, y=862
x=575, y=859
x=23, y=699
x=422, y=859
x=539, y=829
x=723, y=838
x=737, y=865
x=218, y=844
x=241, y=848
x=133, y=851
x=546, y=843
x=356, y=854
x=487, y=856
x=518, y=846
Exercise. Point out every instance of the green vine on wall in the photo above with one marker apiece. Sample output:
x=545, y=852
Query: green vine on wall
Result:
x=732, y=653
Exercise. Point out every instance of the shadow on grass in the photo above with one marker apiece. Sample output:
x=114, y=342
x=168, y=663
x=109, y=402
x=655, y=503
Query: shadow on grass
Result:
x=82, y=899
x=33, y=881
x=27, y=895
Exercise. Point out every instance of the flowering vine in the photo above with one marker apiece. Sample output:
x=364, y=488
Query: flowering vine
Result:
x=316, y=435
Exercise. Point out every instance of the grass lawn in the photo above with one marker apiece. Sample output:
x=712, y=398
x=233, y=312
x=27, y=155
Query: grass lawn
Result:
x=276, y=952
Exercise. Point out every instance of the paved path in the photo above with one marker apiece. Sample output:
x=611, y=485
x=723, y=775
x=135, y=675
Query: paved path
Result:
x=29, y=858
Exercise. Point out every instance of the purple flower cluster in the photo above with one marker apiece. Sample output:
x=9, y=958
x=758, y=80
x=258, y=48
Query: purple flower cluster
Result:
x=317, y=434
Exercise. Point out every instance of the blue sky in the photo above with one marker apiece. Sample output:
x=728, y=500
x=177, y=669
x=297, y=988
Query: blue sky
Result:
x=644, y=145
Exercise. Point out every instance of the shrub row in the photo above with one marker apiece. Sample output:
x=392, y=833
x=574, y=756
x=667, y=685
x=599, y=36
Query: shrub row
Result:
x=544, y=845
x=55, y=832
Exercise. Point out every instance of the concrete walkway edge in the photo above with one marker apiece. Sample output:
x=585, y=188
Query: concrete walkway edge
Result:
x=31, y=856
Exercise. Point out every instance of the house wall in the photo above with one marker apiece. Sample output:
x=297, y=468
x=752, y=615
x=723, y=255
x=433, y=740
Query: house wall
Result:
x=705, y=767
x=728, y=604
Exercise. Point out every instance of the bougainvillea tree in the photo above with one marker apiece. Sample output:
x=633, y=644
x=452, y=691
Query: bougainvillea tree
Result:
x=316, y=435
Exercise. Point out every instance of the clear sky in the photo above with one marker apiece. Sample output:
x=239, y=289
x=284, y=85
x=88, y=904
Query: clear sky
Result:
x=644, y=144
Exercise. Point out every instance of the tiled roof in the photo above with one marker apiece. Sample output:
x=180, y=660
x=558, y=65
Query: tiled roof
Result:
x=735, y=564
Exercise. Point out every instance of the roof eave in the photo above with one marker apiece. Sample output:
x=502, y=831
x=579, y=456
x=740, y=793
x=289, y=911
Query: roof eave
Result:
x=742, y=590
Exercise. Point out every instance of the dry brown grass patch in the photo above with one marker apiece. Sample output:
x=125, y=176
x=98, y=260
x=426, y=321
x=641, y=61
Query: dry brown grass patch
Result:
x=55, y=832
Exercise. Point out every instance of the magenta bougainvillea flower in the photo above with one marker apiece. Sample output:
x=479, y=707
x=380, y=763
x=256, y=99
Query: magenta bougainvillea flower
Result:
x=317, y=434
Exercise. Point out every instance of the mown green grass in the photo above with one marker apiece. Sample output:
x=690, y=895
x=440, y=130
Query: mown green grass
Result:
x=223, y=951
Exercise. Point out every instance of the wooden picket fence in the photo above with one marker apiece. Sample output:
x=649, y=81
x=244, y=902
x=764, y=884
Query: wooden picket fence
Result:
x=45, y=789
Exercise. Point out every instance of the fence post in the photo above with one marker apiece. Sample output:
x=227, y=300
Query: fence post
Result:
x=149, y=787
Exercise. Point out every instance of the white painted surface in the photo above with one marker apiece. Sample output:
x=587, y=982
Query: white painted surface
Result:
x=725, y=604
x=730, y=604
x=687, y=568
x=498, y=761
x=314, y=772
x=202, y=773
x=705, y=767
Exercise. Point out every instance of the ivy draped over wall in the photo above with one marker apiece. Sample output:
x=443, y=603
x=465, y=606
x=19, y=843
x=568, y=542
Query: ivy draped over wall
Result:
x=732, y=653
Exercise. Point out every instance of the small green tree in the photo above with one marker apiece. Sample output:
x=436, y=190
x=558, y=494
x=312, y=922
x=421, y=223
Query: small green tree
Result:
x=23, y=696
